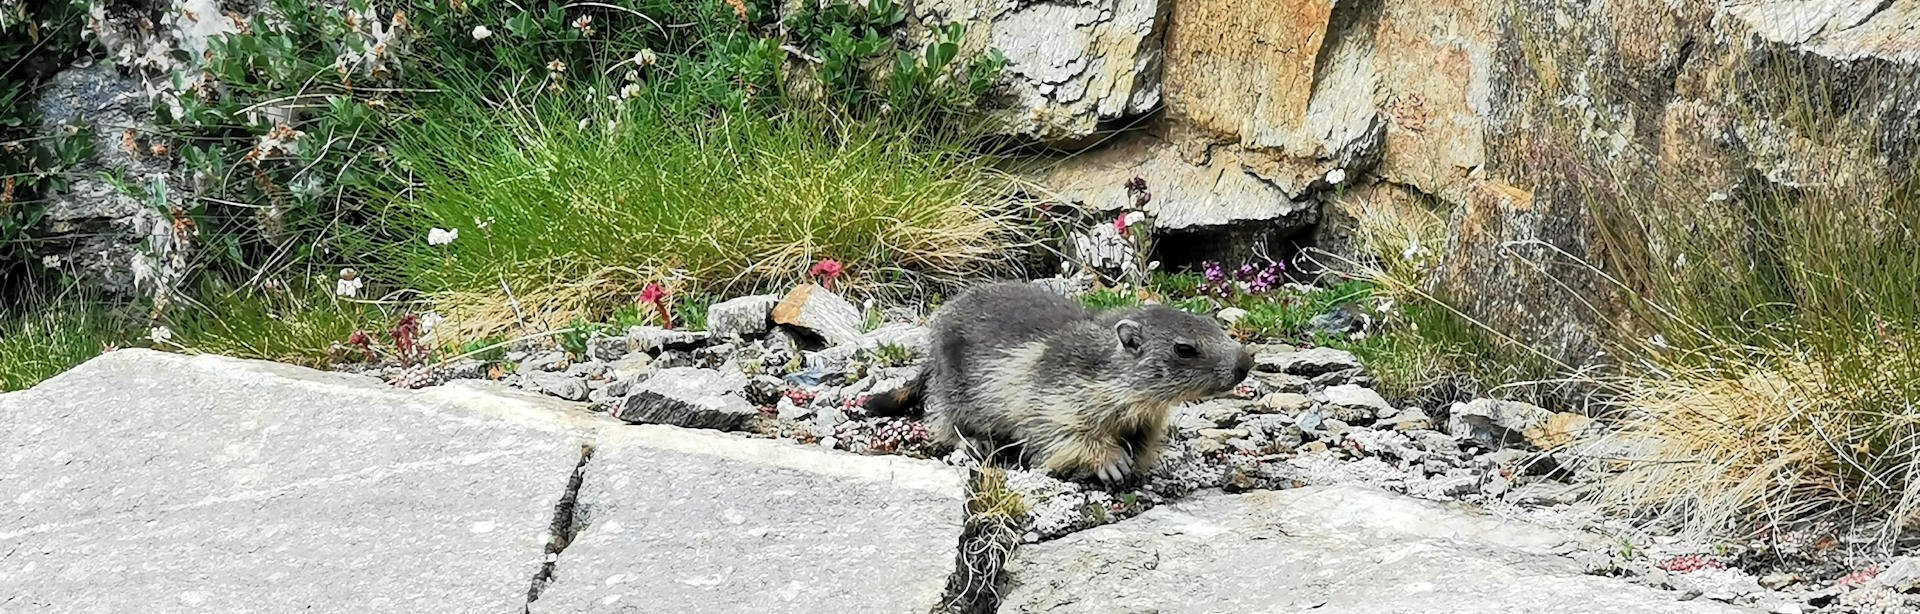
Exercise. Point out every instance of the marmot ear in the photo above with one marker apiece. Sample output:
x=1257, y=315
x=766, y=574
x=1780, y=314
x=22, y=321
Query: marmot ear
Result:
x=1129, y=333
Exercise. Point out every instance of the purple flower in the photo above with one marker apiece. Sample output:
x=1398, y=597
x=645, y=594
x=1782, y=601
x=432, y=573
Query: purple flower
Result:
x=1211, y=270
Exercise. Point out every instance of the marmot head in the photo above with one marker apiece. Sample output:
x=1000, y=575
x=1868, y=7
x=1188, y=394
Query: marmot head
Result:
x=1178, y=356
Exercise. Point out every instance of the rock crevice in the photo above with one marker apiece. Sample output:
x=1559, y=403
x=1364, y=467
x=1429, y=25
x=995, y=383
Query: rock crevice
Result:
x=564, y=526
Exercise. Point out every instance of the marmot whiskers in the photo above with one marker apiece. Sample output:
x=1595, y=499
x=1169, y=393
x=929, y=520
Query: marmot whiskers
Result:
x=1079, y=394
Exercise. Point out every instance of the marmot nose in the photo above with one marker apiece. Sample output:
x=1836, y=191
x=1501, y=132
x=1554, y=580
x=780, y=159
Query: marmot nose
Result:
x=1242, y=367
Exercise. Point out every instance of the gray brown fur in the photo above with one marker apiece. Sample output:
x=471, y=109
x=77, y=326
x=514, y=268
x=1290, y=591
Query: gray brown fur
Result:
x=1079, y=394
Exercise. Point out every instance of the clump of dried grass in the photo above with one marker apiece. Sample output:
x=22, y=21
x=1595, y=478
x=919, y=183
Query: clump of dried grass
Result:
x=1765, y=438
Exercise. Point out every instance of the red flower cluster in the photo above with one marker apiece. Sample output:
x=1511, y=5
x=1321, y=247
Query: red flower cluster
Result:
x=828, y=271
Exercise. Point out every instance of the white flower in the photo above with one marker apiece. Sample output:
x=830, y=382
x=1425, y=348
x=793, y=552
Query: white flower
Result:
x=160, y=335
x=645, y=57
x=1134, y=217
x=1336, y=176
x=585, y=121
x=441, y=236
x=347, y=287
x=481, y=33
x=1413, y=249
x=630, y=90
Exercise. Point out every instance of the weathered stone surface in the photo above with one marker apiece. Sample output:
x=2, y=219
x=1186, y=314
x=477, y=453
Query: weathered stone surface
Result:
x=690, y=397
x=607, y=349
x=673, y=521
x=745, y=316
x=1321, y=549
x=1494, y=423
x=143, y=481
x=821, y=312
x=654, y=339
x=631, y=367
x=1070, y=65
x=1287, y=403
x=910, y=337
x=114, y=241
x=1839, y=29
x=1310, y=362
x=1351, y=403
x=1185, y=196
x=559, y=384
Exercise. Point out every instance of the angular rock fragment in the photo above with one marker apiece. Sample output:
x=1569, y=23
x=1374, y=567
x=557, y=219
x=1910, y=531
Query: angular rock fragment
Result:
x=1350, y=403
x=558, y=384
x=1306, y=363
x=821, y=312
x=689, y=397
x=1493, y=423
x=654, y=338
x=744, y=317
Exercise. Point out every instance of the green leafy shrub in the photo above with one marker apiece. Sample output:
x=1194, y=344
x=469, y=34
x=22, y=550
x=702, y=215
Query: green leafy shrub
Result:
x=863, y=67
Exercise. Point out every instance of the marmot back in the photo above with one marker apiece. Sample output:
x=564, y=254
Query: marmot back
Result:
x=1017, y=369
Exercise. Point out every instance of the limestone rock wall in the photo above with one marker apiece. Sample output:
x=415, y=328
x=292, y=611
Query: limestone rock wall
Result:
x=1071, y=65
x=1520, y=117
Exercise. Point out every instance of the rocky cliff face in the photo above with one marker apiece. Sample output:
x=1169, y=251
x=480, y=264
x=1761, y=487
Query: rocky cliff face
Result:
x=1521, y=118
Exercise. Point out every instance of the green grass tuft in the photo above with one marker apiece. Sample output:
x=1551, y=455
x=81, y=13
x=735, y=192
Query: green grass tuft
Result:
x=296, y=328
x=42, y=343
x=573, y=204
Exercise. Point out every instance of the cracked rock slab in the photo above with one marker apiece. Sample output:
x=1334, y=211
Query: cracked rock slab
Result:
x=149, y=482
x=670, y=520
x=1324, y=550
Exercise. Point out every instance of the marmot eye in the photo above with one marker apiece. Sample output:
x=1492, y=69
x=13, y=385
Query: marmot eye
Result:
x=1185, y=351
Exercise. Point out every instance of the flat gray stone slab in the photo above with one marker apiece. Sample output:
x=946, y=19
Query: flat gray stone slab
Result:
x=152, y=482
x=147, y=482
x=672, y=520
x=1321, y=550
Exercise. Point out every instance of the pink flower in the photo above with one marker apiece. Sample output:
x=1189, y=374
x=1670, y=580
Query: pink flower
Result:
x=828, y=270
x=656, y=295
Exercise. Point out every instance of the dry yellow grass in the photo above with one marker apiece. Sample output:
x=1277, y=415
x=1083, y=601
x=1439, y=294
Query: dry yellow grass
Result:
x=1764, y=438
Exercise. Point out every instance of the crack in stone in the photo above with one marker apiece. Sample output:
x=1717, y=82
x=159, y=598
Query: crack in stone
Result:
x=562, y=529
x=988, y=538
